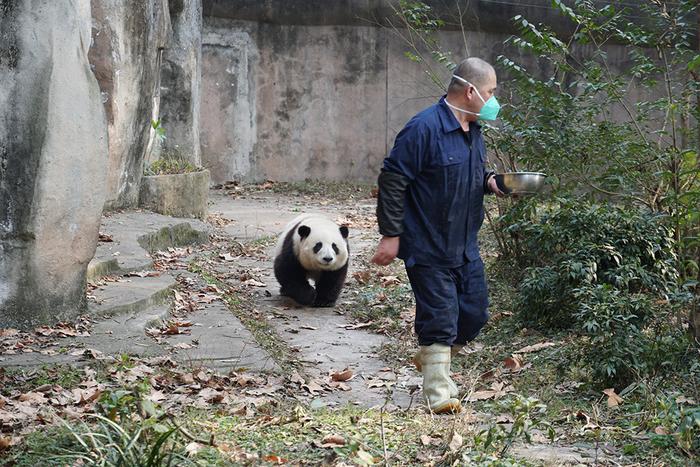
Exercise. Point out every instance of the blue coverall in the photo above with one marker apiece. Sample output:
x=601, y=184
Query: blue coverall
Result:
x=442, y=213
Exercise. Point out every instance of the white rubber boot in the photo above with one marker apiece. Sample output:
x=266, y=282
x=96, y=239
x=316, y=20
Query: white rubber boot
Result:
x=454, y=390
x=438, y=387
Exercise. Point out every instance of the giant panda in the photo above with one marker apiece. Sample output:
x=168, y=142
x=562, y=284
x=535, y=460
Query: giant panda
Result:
x=312, y=247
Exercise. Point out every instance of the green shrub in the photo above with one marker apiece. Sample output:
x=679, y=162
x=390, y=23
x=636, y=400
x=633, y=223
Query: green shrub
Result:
x=169, y=166
x=606, y=273
x=577, y=245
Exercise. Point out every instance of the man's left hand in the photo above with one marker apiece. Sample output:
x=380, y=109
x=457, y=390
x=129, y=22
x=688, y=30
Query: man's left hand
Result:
x=493, y=186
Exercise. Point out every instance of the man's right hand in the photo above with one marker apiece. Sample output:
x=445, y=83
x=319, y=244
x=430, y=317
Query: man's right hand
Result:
x=387, y=250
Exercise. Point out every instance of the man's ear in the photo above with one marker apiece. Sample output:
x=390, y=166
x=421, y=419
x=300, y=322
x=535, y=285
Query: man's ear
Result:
x=304, y=231
x=344, y=231
x=469, y=92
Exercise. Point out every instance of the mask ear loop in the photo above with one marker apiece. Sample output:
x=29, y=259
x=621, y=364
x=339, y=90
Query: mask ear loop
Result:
x=459, y=78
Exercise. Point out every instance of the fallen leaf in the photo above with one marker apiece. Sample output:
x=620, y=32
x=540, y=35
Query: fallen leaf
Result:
x=498, y=389
x=613, y=399
x=183, y=345
x=275, y=459
x=364, y=458
x=356, y=326
x=312, y=386
x=536, y=347
x=388, y=281
x=514, y=362
x=344, y=375
x=254, y=283
x=193, y=448
x=685, y=400
x=659, y=430
x=8, y=332
x=455, y=442
x=332, y=441
x=362, y=277
x=202, y=376
x=296, y=378
x=5, y=443
x=186, y=378
x=212, y=395
x=33, y=397
x=82, y=396
x=339, y=385
x=142, y=274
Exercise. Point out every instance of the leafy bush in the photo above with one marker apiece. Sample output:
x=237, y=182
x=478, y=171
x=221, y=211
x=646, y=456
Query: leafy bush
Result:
x=605, y=272
x=578, y=245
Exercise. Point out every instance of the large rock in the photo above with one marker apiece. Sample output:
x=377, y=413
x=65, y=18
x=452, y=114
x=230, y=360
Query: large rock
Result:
x=128, y=40
x=53, y=156
x=181, y=81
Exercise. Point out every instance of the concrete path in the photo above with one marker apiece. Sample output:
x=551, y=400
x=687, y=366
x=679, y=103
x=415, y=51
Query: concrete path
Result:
x=319, y=336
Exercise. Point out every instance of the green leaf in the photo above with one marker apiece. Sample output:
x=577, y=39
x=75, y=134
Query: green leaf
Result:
x=694, y=63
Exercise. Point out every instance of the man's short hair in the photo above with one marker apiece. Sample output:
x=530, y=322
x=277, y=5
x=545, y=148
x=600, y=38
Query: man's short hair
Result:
x=474, y=70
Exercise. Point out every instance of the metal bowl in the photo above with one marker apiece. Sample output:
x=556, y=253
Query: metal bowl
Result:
x=520, y=183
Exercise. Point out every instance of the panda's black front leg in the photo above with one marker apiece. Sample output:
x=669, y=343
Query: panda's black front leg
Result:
x=292, y=278
x=328, y=287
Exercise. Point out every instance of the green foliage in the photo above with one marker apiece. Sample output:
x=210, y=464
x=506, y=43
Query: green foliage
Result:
x=127, y=431
x=603, y=271
x=627, y=134
x=169, y=166
x=574, y=245
x=158, y=129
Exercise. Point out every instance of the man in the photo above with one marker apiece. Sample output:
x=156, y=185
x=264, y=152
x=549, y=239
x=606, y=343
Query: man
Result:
x=429, y=211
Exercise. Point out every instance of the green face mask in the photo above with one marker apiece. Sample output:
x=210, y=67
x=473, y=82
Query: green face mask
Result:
x=490, y=109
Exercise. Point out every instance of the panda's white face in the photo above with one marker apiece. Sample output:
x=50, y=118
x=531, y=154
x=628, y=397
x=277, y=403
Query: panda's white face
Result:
x=322, y=247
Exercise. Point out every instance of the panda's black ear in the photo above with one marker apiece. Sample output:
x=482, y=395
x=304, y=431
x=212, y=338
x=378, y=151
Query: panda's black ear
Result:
x=344, y=231
x=304, y=231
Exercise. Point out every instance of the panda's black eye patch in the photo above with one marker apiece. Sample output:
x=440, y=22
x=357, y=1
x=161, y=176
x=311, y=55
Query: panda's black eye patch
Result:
x=335, y=248
x=317, y=247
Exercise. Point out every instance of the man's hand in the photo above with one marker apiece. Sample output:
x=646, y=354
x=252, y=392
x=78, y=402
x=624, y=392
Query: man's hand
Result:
x=387, y=250
x=493, y=186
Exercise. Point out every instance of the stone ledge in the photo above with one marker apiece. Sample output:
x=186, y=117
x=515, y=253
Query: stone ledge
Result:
x=137, y=234
x=181, y=195
x=133, y=295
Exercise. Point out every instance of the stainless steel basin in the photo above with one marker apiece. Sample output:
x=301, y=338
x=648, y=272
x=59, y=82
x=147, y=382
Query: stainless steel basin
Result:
x=520, y=183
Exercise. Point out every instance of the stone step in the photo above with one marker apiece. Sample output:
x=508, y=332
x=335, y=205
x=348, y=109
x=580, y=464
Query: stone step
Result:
x=126, y=333
x=112, y=336
x=130, y=295
x=137, y=234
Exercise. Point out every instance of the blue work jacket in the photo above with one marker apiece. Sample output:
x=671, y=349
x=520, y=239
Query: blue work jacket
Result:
x=444, y=203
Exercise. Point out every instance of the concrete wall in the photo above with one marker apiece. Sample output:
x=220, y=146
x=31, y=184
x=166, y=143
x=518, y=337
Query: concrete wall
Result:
x=294, y=90
x=181, y=81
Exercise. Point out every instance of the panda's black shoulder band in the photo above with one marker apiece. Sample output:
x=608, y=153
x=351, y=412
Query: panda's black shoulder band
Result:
x=390, y=202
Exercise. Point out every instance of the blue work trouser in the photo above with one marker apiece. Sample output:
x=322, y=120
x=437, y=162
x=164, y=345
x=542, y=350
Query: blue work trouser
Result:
x=451, y=303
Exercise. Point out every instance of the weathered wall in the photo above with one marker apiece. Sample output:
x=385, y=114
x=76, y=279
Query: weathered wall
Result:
x=128, y=36
x=287, y=102
x=316, y=89
x=181, y=81
x=53, y=157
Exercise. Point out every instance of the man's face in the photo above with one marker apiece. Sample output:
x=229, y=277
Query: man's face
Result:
x=486, y=89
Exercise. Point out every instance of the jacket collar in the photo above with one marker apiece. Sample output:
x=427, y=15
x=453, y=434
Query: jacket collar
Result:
x=449, y=121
